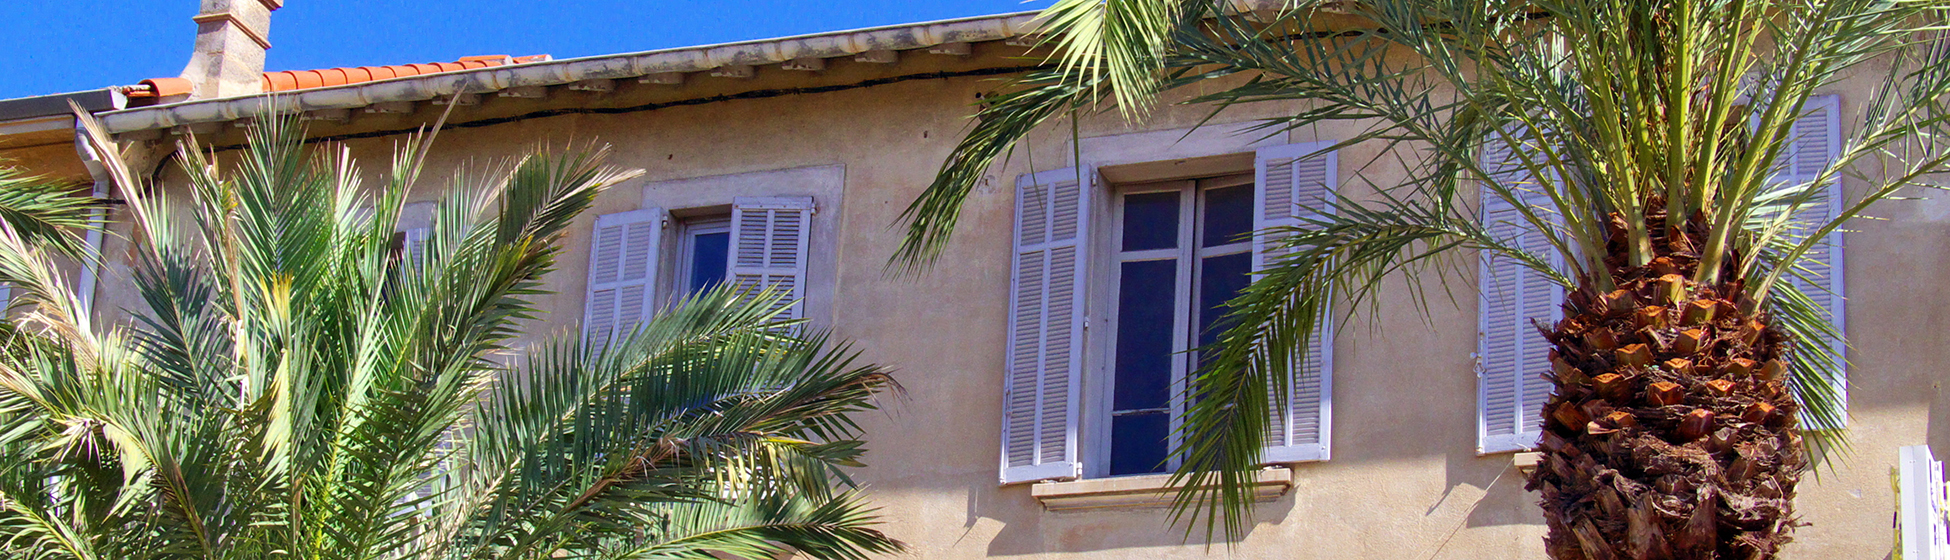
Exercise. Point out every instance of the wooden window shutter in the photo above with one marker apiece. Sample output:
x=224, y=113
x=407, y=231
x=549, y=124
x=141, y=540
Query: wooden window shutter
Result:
x=1046, y=311
x=1293, y=182
x=1817, y=141
x=1511, y=357
x=416, y=223
x=414, y=249
x=622, y=273
x=768, y=248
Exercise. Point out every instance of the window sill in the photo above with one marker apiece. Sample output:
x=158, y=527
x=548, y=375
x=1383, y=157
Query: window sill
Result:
x=1525, y=459
x=1142, y=491
x=1526, y=462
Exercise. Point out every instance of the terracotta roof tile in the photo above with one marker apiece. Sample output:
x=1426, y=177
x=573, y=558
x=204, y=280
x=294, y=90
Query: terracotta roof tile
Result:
x=159, y=87
x=290, y=80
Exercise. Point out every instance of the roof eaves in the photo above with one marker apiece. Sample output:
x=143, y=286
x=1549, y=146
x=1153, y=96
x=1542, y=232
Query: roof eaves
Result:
x=105, y=99
x=565, y=71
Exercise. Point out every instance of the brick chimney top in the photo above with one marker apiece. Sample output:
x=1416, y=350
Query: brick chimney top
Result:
x=231, y=39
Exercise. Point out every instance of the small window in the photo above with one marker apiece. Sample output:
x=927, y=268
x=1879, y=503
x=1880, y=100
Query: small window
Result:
x=1182, y=251
x=703, y=254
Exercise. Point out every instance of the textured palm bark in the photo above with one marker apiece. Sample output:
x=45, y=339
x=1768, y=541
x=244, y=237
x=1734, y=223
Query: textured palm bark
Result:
x=1671, y=433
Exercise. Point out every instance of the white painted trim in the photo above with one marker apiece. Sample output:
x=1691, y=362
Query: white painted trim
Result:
x=1166, y=145
x=686, y=251
x=1152, y=147
x=1145, y=491
x=795, y=300
x=1101, y=382
x=1920, y=505
x=1069, y=466
x=652, y=263
x=1322, y=450
x=715, y=194
x=1837, y=244
x=1527, y=429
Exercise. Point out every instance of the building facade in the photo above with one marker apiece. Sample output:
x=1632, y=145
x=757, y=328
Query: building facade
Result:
x=1040, y=354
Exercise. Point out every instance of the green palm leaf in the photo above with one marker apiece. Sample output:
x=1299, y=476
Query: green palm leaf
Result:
x=1673, y=109
x=292, y=387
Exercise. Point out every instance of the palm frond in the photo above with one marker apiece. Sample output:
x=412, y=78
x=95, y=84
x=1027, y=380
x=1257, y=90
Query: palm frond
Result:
x=47, y=213
x=291, y=386
x=1673, y=110
x=838, y=528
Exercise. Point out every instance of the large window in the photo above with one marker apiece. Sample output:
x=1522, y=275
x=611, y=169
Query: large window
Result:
x=1116, y=286
x=1182, y=251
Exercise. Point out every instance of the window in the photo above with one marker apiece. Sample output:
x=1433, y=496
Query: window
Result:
x=1182, y=251
x=703, y=257
x=761, y=245
x=1167, y=257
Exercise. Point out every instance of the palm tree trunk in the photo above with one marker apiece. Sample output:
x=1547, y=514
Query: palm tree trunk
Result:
x=1672, y=433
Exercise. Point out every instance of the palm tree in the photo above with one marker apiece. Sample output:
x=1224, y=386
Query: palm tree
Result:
x=294, y=386
x=1690, y=361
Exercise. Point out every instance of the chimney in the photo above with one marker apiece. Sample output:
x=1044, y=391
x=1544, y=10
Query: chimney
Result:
x=231, y=38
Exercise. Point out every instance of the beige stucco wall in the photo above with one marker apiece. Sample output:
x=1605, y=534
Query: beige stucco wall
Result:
x=1404, y=482
x=55, y=160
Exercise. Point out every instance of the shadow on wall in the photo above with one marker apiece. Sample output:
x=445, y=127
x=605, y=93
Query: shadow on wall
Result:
x=1034, y=531
x=1480, y=495
x=1388, y=444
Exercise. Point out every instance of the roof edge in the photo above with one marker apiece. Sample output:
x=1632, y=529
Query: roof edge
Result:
x=94, y=100
x=566, y=71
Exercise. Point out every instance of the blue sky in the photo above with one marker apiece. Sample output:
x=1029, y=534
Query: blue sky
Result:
x=72, y=45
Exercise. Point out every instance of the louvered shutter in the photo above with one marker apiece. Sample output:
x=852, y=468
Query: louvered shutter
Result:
x=414, y=246
x=1816, y=140
x=415, y=225
x=622, y=273
x=1511, y=357
x=1046, y=309
x=1292, y=182
x=768, y=248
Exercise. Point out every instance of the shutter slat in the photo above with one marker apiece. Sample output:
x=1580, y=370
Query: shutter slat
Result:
x=1816, y=142
x=1511, y=356
x=622, y=273
x=414, y=248
x=1291, y=183
x=769, y=240
x=1045, y=361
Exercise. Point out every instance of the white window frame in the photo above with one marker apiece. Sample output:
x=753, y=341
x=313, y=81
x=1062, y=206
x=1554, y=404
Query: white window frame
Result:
x=716, y=195
x=1136, y=159
x=1100, y=382
x=1527, y=427
x=688, y=231
x=1835, y=293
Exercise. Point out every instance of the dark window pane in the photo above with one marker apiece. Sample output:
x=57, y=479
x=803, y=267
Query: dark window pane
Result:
x=1137, y=443
x=1145, y=300
x=1220, y=279
x=1228, y=215
x=1151, y=221
x=708, y=253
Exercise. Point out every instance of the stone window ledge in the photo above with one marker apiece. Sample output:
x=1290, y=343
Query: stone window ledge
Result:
x=1142, y=491
x=1526, y=462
